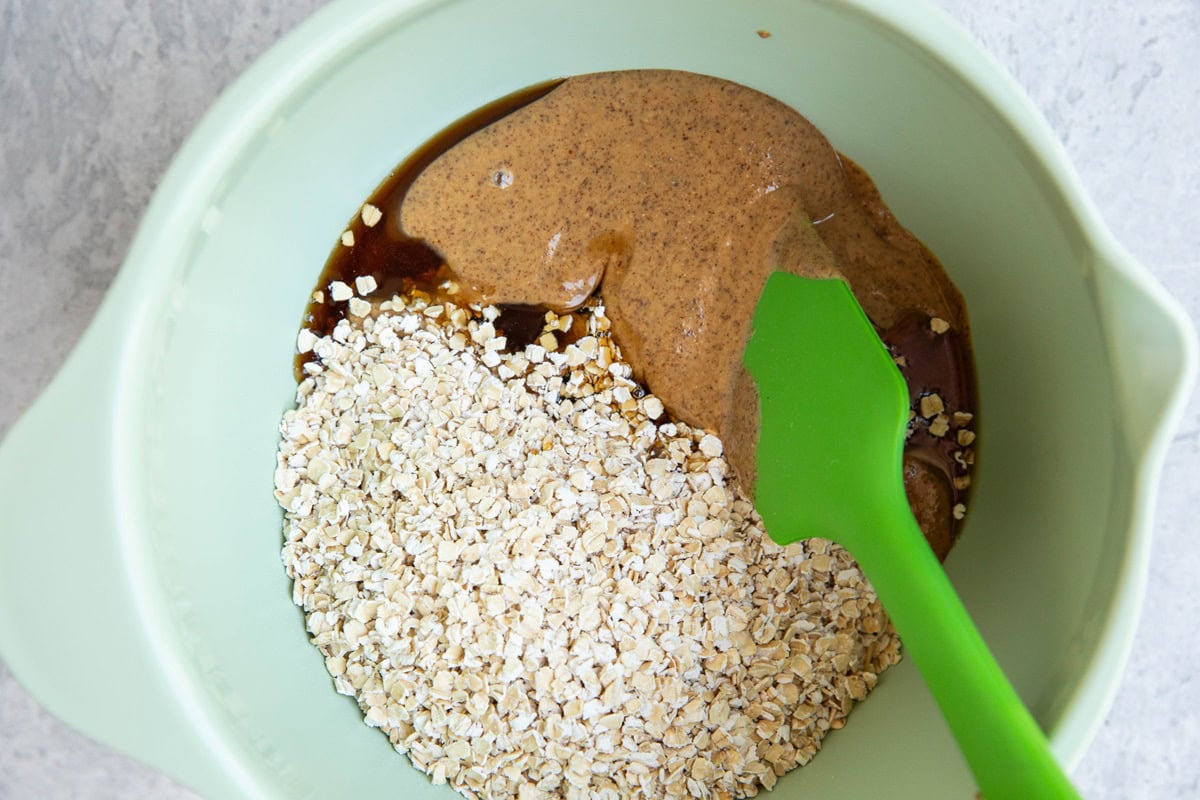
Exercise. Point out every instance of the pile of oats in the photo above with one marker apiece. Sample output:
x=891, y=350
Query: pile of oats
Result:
x=537, y=585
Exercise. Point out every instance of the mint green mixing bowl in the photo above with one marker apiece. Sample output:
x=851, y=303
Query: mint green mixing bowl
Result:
x=141, y=593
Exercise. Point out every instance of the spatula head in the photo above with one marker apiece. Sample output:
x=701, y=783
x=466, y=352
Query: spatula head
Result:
x=833, y=407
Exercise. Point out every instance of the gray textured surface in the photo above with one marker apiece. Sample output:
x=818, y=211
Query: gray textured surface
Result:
x=93, y=103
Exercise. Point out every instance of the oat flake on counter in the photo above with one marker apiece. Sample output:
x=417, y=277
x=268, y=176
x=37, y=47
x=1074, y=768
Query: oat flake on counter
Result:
x=538, y=586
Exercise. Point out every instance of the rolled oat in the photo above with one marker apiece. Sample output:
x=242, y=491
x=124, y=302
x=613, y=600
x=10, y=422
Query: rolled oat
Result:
x=537, y=585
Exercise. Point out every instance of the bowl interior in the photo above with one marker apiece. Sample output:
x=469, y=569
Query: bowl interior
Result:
x=1050, y=520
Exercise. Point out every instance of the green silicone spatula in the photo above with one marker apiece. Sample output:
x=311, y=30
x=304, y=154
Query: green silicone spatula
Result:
x=834, y=409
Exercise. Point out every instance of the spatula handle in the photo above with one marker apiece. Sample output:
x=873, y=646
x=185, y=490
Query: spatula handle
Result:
x=1006, y=750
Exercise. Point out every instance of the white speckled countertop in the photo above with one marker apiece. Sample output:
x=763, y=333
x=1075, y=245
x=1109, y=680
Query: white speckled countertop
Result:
x=95, y=99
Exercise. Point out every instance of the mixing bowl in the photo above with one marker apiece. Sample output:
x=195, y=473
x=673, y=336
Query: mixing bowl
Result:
x=141, y=593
